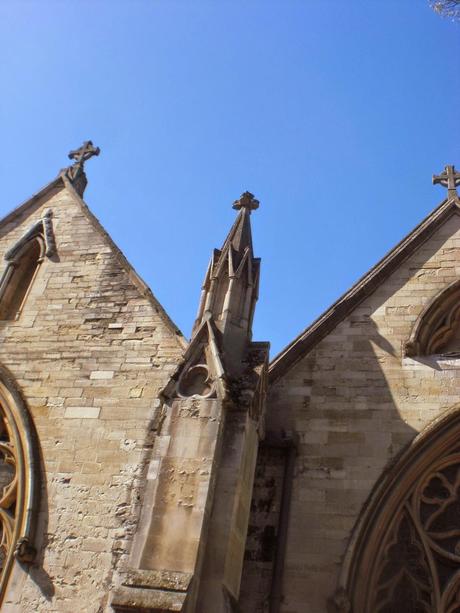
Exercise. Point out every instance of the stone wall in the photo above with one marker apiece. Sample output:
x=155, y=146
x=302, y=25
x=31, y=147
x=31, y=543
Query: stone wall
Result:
x=263, y=531
x=92, y=348
x=90, y=351
x=355, y=402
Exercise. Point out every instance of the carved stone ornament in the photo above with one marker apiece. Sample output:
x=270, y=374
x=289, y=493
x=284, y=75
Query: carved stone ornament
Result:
x=25, y=552
x=80, y=156
x=246, y=201
x=43, y=228
x=449, y=178
x=411, y=560
x=76, y=173
x=196, y=381
x=340, y=601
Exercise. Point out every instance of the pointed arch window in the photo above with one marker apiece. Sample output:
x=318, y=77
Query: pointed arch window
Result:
x=18, y=481
x=437, y=330
x=407, y=554
x=23, y=261
x=18, y=278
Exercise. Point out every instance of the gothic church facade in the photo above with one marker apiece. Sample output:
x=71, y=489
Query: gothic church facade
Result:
x=141, y=472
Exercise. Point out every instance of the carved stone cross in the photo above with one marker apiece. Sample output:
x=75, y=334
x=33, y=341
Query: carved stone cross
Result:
x=450, y=178
x=246, y=201
x=83, y=153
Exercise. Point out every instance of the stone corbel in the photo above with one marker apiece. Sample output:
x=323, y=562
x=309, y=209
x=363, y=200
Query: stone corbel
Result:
x=25, y=552
x=411, y=349
x=340, y=602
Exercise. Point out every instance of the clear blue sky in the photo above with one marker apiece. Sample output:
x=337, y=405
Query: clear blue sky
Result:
x=334, y=113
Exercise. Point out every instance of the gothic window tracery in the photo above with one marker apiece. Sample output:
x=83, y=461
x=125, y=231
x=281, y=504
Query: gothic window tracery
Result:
x=18, y=484
x=438, y=328
x=410, y=549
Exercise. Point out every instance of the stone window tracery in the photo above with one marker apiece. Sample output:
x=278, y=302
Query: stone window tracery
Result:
x=408, y=557
x=438, y=329
x=18, y=484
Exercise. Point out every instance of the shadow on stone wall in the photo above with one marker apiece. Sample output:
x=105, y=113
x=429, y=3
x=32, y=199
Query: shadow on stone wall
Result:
x=339, y=406
x=339, y=400
x=36, y=571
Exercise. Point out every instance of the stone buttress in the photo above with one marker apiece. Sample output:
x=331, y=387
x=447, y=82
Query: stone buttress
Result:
x=189, y=548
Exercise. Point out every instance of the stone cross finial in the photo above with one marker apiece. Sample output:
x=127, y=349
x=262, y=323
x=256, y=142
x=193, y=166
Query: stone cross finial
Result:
x=450, y=178
x=246, y=201
x=85, y=152
x=76, y=172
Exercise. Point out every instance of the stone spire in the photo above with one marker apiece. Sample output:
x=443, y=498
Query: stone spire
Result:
x=230, y=288
x=195, y=517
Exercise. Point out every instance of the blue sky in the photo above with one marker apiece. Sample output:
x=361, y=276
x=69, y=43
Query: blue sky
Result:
x=334, y=114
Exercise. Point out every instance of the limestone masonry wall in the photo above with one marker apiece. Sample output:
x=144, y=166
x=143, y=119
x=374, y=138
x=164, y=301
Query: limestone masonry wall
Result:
x=355, y=402
x=92, y=348
x=89, y=352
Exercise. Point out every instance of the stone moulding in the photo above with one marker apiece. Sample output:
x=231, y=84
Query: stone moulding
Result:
x=43, y=228
x=203, y=356
x=151, y=591
x=19, y=475
x=41, y=232
x=436, y=324
x=408, y=514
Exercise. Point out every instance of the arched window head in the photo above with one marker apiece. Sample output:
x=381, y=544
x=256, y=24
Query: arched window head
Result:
x=23, y=261
x=437, y=330
x=18, y=278
x=407, y=552
x=18, y=481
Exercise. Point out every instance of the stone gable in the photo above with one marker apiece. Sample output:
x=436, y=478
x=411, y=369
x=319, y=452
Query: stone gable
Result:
x=90, y=351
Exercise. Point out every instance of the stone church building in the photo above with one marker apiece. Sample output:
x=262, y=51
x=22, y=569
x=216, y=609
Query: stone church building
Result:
x=141, y=472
